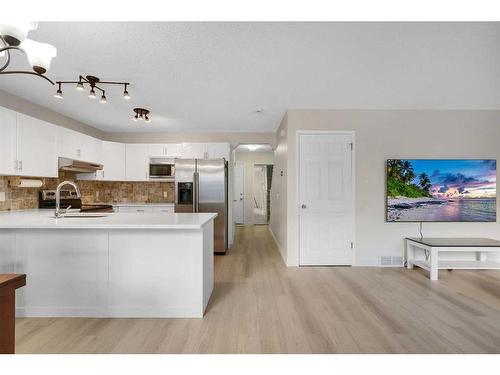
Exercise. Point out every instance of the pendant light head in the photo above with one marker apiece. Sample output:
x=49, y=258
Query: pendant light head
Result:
x=15, y=33
x=79, y=86
x=39, y=54
x=59, y=94
x=103, y=99
x=92, y=93
x=125, y=93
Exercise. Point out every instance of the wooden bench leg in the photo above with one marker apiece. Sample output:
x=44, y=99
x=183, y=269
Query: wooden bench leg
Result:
x=7, y=322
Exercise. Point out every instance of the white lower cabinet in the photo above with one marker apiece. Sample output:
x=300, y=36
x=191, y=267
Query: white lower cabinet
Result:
x=144, y=208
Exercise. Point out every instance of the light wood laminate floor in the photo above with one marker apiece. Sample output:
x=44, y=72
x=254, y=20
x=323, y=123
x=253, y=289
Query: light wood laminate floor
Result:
x=260, y=306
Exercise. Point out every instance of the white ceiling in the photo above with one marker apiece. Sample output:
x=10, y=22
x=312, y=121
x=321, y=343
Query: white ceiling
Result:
x=214, y=76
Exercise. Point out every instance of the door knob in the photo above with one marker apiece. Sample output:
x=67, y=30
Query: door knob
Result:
x=303, y=206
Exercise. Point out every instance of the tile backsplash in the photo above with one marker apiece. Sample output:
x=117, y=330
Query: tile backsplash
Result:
x=92, y=192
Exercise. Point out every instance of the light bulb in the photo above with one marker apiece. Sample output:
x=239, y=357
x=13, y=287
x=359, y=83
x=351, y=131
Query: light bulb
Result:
x=135, y=118
x=103, y=99
x=92, y=93
x=148, y=120
x=79, y=86
x=126, y=95
x=58, y=94
x=39, y=54
x=15, y=33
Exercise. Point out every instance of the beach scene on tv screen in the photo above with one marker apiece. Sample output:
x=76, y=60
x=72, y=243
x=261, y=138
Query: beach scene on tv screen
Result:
x=441, y=190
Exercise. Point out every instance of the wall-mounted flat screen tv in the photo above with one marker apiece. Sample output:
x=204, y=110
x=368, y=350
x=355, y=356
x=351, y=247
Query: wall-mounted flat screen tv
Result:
x=441, y=190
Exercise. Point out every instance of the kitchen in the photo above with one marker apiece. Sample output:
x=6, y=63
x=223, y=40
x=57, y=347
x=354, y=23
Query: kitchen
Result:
x=119, y=189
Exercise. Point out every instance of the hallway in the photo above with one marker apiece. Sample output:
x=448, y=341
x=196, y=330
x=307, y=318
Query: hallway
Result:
x=260, y=306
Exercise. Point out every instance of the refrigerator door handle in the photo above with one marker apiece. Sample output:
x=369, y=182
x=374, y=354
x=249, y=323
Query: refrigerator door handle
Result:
x=196, y=184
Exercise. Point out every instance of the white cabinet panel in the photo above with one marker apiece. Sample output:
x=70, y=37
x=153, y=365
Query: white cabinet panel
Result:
x=156, y=150
x=113, y=159
x=8, y=142
x=205, y=150
x=36, y=147
x=194, y=151
x=137, y=162
x=89, y=148
x=137, y=209
x=164, y=209
x=173, y=150
x=218, y=150
x=67, y=143
x=169, y=150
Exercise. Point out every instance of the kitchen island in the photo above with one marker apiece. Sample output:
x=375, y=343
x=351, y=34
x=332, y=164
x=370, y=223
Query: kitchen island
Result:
x=119, y=265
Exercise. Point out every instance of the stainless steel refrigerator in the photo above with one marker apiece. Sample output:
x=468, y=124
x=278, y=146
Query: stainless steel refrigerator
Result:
x=201, y=186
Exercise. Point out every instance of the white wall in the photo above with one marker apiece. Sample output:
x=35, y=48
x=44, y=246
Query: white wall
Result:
x=381, y=135
x=278, y=222
x=249, y=159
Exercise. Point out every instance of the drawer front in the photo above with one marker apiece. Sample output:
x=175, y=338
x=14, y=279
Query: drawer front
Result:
x=163, y=209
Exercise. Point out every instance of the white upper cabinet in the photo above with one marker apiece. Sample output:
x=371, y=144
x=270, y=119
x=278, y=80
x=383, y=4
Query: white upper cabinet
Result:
x=218, y=150
x=67, y=143
x=89, y=148
x=113, y=159
x=36, y=147
x=8, y=142
x=169, y=150
x=194, y=151
x=137, y=162
x=78, y=146
x=205, y=150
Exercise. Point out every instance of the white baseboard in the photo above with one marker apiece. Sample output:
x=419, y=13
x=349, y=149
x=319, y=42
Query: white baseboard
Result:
x=277, y=244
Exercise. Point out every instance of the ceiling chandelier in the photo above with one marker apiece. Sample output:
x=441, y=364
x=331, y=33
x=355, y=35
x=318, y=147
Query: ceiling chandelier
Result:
x=93, y=83
x=141, y=114
x=13, y=38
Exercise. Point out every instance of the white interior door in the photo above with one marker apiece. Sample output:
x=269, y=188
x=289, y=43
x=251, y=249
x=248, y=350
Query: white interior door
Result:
x=326, y=199
x=239, y=192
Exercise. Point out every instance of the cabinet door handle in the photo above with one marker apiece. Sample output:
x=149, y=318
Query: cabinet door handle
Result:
x=20, y=165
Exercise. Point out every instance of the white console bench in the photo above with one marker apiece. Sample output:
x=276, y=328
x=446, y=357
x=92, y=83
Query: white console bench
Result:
x=424, y=253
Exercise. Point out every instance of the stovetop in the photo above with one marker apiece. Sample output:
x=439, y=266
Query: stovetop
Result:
x=47, y=199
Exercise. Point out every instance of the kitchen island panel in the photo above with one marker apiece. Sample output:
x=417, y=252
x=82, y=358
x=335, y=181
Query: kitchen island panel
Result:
x=67, y=272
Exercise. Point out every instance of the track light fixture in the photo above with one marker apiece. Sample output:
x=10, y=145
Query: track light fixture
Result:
x=141, y=114
x=58, y=93
x=13, y=37
x=94, y=83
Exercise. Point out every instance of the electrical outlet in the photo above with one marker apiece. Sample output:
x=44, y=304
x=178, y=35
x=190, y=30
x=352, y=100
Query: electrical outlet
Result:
x=2, y=196
x=165, y=194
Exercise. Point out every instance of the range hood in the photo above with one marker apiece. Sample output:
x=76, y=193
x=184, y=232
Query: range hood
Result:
x=71, y=165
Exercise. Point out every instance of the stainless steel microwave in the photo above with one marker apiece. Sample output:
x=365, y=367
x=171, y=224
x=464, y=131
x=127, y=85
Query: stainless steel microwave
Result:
x=160, y=168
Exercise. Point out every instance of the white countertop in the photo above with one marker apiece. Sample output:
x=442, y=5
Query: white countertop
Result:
x=141, y=204
x=44, y=219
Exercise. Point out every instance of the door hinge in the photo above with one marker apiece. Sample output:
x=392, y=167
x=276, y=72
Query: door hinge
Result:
x=352, y=245
x=351, y=145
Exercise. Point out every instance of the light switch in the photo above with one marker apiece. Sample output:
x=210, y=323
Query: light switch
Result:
x=2, y=196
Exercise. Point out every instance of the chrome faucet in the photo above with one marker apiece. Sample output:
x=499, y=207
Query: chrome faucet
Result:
x=58, y=213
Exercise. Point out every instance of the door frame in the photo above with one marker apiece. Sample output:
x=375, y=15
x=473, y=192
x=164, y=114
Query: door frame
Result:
x=352, y=133
x=234, y=192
